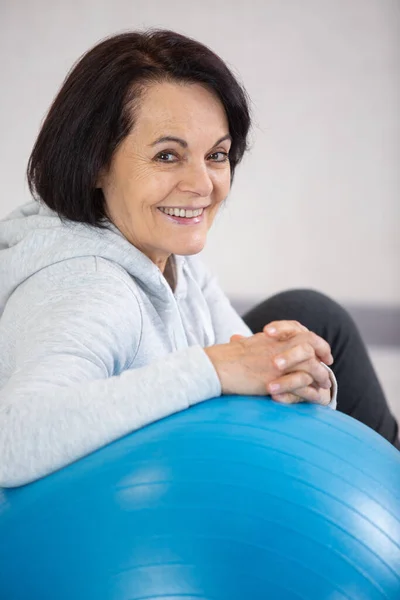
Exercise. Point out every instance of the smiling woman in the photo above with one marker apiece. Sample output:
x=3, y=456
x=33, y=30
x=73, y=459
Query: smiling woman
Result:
x=151, y=190
x=108, y=320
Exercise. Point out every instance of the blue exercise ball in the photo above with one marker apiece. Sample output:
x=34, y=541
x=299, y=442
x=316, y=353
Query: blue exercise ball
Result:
x=237, y=498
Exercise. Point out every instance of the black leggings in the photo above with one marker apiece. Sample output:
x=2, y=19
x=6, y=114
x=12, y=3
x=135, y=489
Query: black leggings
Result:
x=360, y=394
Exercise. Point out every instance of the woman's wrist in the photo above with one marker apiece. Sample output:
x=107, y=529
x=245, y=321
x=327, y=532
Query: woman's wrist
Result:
x=213, y=353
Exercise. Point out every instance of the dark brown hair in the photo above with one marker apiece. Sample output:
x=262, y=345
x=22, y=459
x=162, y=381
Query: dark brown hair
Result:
x=93, y=112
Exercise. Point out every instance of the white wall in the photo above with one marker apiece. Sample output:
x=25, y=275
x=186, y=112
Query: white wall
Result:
x=317, y=201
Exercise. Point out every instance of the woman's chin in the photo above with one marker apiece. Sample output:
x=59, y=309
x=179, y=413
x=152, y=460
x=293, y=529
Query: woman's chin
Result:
x=189, y=248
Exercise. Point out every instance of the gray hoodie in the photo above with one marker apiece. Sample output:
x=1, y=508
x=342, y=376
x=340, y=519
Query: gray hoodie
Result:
x=93, y=341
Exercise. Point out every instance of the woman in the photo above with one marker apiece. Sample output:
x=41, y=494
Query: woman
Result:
x=109, y=320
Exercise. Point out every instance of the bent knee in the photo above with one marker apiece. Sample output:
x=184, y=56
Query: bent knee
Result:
x=306, y=304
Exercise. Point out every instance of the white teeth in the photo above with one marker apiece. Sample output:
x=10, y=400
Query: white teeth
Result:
x=180, y=212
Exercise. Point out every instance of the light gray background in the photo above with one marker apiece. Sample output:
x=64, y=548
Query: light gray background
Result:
x=316, y=202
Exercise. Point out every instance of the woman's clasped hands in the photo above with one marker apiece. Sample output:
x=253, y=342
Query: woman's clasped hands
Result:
x=285, y=361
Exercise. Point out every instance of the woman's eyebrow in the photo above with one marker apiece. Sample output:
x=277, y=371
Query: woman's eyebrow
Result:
x=183, y=143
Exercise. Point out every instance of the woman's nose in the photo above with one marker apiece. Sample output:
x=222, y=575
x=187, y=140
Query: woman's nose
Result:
x=196, y=179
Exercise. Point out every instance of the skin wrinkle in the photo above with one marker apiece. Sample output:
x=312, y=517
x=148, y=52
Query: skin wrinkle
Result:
x=136, y=183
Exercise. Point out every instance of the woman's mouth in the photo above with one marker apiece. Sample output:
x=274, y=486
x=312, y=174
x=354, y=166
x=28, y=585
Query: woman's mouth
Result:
x=183, y=216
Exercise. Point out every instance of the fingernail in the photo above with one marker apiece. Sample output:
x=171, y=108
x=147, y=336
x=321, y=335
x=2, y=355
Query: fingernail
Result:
x=274, y=387
x=280, y=362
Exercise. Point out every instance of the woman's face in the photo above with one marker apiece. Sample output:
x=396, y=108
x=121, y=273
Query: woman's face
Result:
x=152, y=181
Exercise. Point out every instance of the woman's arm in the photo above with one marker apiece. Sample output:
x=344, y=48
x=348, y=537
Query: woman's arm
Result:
x=64, y=398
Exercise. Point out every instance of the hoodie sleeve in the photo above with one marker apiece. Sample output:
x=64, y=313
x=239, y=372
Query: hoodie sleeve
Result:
x=72, y=390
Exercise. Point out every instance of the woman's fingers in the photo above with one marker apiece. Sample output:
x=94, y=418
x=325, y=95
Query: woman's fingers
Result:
x=321, y=347
x=296, y=380
x=284, y=330
x=307, y=394
x=309, y=345
x=290, y=382
x=314, y=368
x=288, y=398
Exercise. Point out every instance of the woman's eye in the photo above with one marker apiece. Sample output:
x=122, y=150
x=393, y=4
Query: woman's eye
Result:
x=223, y=156
x=161, y=156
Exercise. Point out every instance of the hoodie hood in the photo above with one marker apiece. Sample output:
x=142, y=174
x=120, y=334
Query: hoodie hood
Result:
x=33, y=237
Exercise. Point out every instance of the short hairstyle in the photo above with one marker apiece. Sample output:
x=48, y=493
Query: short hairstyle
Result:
x=94, y=111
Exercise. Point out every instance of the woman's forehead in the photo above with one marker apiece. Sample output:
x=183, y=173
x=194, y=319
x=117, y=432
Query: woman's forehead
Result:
x=171, y=109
